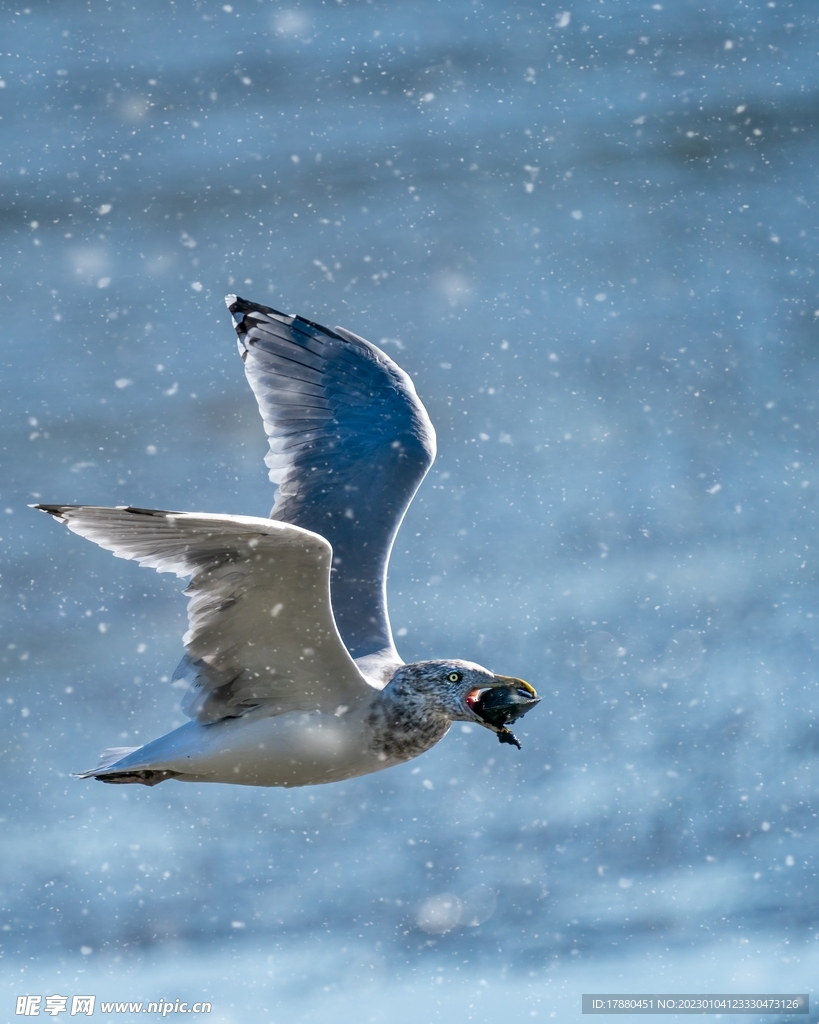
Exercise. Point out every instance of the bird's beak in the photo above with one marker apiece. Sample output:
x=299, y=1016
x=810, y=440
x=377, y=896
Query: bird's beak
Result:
x=505, y=700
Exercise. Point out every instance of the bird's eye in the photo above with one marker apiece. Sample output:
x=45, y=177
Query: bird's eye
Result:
x=454, y=677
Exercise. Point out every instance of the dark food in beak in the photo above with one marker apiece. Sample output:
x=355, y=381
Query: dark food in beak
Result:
x=498, y=706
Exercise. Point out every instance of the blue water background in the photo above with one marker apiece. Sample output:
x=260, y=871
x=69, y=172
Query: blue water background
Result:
x=589, y=234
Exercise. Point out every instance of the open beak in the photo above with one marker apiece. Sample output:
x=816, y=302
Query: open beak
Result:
x=501, y=703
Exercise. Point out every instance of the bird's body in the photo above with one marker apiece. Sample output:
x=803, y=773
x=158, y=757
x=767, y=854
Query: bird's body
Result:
x=295, y=748
x=293, y=675
x=298, y=748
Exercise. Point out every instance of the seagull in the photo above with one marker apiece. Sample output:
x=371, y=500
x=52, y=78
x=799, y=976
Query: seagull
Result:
x=293, y=676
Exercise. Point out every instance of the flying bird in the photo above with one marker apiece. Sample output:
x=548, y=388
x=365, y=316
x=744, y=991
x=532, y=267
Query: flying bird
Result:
x=294, y=678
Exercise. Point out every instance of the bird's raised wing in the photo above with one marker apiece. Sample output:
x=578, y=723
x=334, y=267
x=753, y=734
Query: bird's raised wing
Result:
x=350, y=442
x=261, y=629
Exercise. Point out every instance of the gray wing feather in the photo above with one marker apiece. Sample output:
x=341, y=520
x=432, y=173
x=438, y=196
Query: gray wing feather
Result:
x=261, y=629
x=350, y=442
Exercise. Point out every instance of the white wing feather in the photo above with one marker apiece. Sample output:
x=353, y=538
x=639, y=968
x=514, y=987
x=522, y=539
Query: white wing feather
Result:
x=261, y=627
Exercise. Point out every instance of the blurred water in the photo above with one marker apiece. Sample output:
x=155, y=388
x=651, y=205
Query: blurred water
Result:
x=589, y=234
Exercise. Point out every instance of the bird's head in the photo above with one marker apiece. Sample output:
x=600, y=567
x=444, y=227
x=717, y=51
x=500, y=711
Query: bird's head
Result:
x=465, y=692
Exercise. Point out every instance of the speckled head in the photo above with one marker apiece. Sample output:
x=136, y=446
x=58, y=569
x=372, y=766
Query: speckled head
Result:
x=462, y=691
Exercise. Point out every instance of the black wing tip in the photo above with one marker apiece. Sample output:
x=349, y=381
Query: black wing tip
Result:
x=136, y=511
x=238, y=307
x=54, y=510
x=60, y=511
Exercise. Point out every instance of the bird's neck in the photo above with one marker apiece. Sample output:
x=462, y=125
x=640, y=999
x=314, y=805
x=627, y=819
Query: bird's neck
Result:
x=402, y=723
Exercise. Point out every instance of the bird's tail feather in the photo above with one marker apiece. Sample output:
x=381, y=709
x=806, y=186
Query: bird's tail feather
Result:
x=107, y=758
x=139, y=776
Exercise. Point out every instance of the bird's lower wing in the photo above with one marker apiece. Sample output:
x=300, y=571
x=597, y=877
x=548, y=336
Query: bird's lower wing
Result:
x=261, y=628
